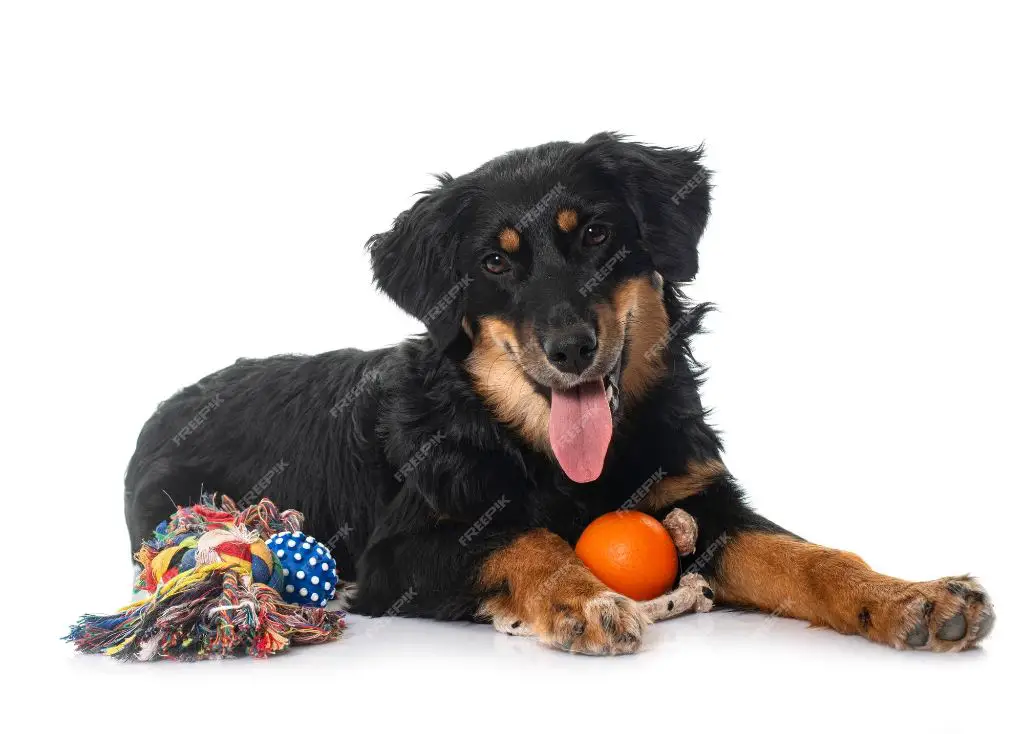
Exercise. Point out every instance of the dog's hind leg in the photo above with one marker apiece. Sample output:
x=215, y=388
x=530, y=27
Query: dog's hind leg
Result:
x=155, y=494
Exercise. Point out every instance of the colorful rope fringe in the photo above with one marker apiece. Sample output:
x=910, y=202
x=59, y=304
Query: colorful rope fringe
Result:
x=199, y=567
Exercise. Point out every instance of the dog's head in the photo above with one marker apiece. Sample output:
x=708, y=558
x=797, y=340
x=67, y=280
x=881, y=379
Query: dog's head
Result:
x=552, y=261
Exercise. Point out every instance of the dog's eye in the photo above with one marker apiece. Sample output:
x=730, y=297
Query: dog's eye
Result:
x=495, y=263
x=595, y=234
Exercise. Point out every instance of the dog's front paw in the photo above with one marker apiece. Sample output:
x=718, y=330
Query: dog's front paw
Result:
x=946, y=615
x=537, y=585
x=581, y=616
x=605, y=623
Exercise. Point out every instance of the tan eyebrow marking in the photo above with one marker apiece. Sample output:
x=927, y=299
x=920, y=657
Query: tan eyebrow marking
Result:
x=509, y=240
x=567, y=220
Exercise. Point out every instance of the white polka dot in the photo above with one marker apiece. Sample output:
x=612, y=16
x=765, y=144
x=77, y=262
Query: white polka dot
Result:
x=315, y=579
x=324, y=566
x=310, y=539
x=287, y=572
x=305, y=546
x=298, y=556
x=303, y=591
x=300, y=575
x=296, y=534
x=289, y=588
x=323, y=603
x=314, y=597
x=279, y=541
x=280, y=554
x=291, y=543
x=312, y=562
x=320, y=551
x=327, y=585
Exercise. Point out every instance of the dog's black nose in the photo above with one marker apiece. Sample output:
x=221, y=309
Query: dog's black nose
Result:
x=571, y=350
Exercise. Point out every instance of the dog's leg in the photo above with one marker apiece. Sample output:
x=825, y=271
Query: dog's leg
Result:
x=754, y=563
x=537, y=585
x=524, y=581
x=692, y=593
x=783, y=575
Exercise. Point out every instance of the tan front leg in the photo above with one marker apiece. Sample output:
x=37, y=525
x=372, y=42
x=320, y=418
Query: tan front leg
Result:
x=786, y=576
x=537, y=582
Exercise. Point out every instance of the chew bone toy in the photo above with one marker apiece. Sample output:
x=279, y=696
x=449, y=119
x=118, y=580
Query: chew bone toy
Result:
x=692, y=594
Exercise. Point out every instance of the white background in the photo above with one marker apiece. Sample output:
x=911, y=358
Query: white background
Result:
x=183, y=184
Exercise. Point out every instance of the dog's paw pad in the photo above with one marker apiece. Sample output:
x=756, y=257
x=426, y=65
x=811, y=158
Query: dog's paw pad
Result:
x=946, y=615
x=953, y=629
x=917, y=636
x=985, y=625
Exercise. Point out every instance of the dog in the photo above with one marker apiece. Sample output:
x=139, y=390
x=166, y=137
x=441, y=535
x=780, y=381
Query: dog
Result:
x=453, y=473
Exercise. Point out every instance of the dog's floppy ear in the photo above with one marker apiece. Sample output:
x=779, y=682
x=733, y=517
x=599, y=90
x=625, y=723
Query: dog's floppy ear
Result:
x=669, y=192
x=416, y=261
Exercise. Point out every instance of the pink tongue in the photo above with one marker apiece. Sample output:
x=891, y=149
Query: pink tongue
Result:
x=580, y=430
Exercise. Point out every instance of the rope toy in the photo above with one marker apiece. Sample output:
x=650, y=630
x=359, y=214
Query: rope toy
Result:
x=692, y=593
x=216, y=590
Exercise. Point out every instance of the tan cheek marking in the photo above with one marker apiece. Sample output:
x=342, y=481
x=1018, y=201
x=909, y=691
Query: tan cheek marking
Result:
x=612, y=333
x=567, y=219
x=501, y=383
x=509, y=240
x=699, y=474
x=500, y=332
x=638, y=305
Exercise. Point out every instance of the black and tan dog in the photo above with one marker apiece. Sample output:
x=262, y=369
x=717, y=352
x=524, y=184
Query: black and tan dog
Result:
x=455, y=471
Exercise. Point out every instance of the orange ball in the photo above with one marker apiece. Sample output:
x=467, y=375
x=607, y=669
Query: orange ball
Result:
x=632, y=553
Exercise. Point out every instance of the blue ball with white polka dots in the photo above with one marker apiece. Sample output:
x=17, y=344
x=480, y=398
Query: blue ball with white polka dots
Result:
x=310, y=572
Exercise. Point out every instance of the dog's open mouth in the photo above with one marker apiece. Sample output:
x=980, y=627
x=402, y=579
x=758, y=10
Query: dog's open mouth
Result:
x=580, y=426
